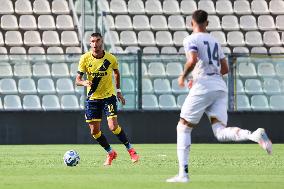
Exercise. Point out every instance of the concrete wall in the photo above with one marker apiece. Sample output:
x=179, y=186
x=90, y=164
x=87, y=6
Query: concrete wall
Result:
x=141, y=127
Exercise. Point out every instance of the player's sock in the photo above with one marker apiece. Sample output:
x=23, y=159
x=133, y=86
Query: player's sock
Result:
x=223, y=133
x=183, y=147
x=122, y=137
x=101, y=139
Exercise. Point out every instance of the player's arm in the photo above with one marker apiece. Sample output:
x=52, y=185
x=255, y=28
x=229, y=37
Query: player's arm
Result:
x=81, y=82
x=224, y=66
x=117, y=84
x=192, y=59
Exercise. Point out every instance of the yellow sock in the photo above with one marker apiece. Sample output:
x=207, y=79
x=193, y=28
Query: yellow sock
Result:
x=117, y=130
x=97, y=135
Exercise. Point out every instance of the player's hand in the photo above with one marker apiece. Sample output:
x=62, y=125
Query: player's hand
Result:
x=181, y=81
x=120, y=98
x=87, y=83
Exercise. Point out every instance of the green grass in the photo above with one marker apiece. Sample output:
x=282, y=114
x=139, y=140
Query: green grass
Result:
x=219, y=166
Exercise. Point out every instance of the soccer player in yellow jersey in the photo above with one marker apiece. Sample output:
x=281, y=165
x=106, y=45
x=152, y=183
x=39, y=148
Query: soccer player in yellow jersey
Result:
x=100, y=66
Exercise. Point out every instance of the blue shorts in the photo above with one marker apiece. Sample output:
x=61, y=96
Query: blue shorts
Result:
x=94, y=108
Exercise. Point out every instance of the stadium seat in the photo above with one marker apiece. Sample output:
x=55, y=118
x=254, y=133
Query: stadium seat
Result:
x=141, y=22
x=265, y=70
x=266, y=22
x=259, y=103
x=37, y=54
x=18, y=54
x=187, y=7
x=9, y=22
x=50, y=102
x=80, y=90
x=149, y=102
x=279, y=70
x=171, y=7
x=158, y=22
x=214, y=23
x=27, y=86
x=153, y=7
x=277, y=102
x=1, y=42
x=12, y=102
x=259, y=7
x=125, y=70
x=127, y=85
x=276, y=50
x=253, y=86
x=220, y=37
x=50, y=38
x=240, y=50
x=64, y=86
x=27, y=22
x=6, y=7
x=147, y=86
x=8, y=86
x=88, y=7
x=150, y=50
x=108, y=21
x=280, y=22
x=258, y=50
x=45, y=86
x=180, y=100
x=146, y=38
x=41, y=7
x=156, y=69
x=230, y=22
x=177, y=89
x=226, y=50
x=168, y=50
x=271, y=86
x=32, y=38
x=73, y=54
x=176, y=22
x=89, y=22
x=60, y=7
x=31, y=102
x=164, y=38
x=13, y=38
x=59, y=70
x=123, y=22
x=118, y=7
x=224, y=7
x=248, y=22
x=69, y=102
x=167, y=102
x=5, y=70
x=132, y=49
x=174, y=69
x=110, y=37
x=64, y=22
x=207, y=5
x=253, y=38
x=235, y=38
x=69, y=38
x=188, y=22
x=178, y=37
x=128, y=38
x=136, y=7
x=22, y=69
x=73, y=69
x=240, y=87
x=162, y=86
x=242, y=7
x=55, y=54
x=130, y=102
x=276, y=7
x=46, y=22
x=243, y=103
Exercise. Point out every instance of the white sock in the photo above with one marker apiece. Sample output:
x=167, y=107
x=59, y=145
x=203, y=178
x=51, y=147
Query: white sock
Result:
x=183, y=147
x=223, y=133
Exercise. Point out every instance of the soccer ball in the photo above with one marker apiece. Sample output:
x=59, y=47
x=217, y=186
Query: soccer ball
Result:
x=71, y=158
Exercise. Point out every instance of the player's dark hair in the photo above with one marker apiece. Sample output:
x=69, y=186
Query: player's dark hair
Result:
x=96, y=34
x=200, y=16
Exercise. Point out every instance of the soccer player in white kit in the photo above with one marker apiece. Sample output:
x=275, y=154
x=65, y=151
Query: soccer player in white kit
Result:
x=208, y=94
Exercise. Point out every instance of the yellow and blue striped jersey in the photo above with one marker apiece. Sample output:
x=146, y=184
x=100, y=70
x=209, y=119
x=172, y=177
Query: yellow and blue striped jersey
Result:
x=100, y=72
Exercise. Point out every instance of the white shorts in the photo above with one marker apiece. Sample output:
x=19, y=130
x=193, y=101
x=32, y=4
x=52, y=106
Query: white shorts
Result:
x=213, y=103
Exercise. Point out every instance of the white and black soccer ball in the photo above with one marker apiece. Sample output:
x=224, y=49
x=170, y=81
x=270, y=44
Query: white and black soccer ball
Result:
x=71, y=158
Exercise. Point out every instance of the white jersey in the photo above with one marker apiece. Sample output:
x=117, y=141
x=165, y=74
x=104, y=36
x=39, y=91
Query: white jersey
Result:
x=206, y=73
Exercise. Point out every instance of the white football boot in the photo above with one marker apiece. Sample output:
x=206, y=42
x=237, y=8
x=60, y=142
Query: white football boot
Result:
x=262, y=139
x=178, y=178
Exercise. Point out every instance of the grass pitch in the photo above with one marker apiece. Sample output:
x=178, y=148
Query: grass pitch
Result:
x=220, y=166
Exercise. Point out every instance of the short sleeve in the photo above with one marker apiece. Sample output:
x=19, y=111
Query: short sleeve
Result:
x=221, y=52
x=189, y=45
x=81, y=66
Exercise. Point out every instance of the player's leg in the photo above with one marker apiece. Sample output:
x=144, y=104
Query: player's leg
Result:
x=110, y=109
x=191, y=112
x=93, y=114
x=218, y=116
